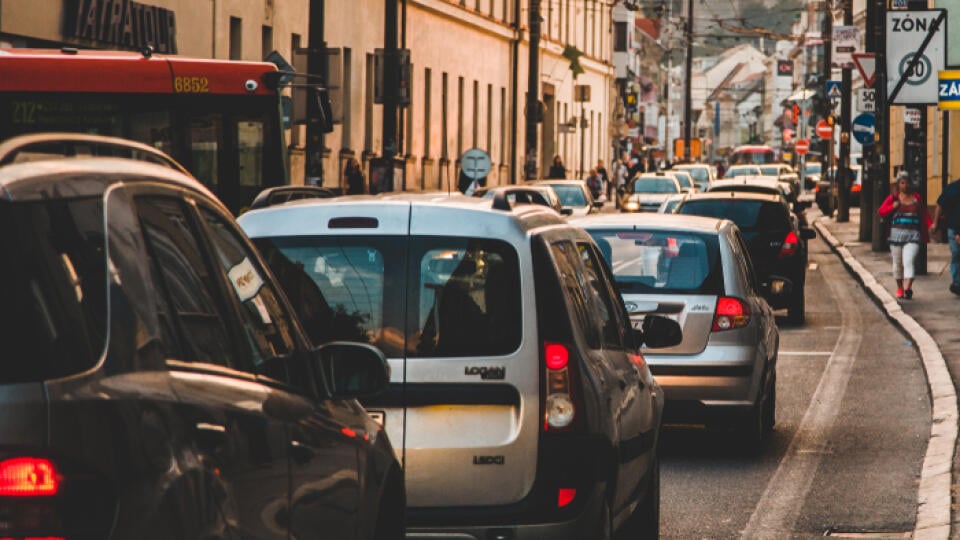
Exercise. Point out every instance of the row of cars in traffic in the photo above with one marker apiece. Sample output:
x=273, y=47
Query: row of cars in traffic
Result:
x=410, y=364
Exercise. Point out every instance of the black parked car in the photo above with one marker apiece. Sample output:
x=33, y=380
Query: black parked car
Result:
x=155, y=382
x=777, y=246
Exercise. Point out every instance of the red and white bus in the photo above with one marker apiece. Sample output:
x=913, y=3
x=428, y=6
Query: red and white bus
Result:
x=221, y=119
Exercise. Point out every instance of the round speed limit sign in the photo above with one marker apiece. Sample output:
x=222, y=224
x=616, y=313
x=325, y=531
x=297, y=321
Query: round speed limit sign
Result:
x=921, y=71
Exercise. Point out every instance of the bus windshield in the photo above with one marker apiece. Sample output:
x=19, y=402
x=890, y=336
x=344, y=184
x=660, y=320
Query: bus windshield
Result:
x=228, y=137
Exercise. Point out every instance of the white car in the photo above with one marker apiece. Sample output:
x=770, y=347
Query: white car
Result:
x=647, y=191
x=702, y=173
x=574, y=196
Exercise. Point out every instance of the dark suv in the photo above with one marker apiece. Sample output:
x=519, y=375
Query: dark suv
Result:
x=519, y=398
x=155, y=382
x=777, y=246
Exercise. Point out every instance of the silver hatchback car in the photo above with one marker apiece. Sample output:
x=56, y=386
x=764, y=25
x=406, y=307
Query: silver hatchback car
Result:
x=698, y=272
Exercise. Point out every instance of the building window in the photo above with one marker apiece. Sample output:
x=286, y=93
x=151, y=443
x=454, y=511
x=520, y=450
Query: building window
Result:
x=490, y=119
x=620, y=36
x=444, y=110
x=368, y=106
x=295, y=131
x=266, y=40
x=503, y=124
x=476, y=113
x=427, y=95
x=236, y=38
x=407, y=116
x=459, y=117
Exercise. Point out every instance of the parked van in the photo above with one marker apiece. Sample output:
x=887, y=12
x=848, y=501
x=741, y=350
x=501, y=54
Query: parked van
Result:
x=519, y=402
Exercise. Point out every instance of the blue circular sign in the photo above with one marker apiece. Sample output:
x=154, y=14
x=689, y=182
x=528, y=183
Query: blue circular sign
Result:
x=863, y=128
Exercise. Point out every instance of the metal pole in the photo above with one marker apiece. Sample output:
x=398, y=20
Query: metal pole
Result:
x=688, y=94
x=533, y=91
x=316, y=66
x=514, y=89
x=391, y=86
x=843, y=168
x=583, y=135
x=880, y=169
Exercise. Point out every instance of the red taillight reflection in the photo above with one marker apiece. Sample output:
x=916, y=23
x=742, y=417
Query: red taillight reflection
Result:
x=855, y=188
x=556, y=356
x=790, y=245
x=731, y=313
x=28, y=477
x=565, y=496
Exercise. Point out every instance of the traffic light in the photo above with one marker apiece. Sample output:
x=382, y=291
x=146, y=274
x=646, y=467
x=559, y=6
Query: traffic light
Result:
x=796, y=114
x=830, y=120
x=631, y=101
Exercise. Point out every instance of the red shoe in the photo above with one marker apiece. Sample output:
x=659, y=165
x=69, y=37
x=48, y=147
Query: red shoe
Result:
x=899, y=293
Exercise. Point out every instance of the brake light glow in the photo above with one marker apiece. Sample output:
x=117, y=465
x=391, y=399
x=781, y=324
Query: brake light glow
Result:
x=565, y=496
x=28, y=477
x=731, y=313
x=855, y=188
x=790, y=245
x=556, y=356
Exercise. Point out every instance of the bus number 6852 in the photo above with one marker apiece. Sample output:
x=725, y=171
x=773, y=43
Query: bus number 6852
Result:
x=191, y=85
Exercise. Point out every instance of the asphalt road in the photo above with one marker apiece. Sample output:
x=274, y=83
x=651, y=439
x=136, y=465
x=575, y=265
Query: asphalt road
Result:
x=853, y=417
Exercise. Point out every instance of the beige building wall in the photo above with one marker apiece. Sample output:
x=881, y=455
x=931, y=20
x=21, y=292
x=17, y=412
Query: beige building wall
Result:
x=468, y=43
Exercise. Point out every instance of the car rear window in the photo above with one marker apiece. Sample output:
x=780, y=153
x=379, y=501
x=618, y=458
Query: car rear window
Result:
x=655, y=185
x=570, y=195
x=53, y=296
x=749, y=215
x=463, y=294
x=662, y=261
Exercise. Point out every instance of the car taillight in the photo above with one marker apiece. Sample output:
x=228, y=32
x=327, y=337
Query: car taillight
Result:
x=28, y=477
x=790, y=245
x=731, y=313
x=855, y=188
x=558, y=407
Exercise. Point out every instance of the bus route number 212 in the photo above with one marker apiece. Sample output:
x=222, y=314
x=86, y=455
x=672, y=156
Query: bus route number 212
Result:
x=191, y=85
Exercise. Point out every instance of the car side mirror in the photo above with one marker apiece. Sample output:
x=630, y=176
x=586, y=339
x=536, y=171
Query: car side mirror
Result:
x=566, y=211
x=807, y=233
x=351, y=370
x=597, y=204
x=659, y=331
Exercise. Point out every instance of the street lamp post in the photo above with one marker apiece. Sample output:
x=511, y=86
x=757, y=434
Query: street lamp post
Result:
x=687, y=98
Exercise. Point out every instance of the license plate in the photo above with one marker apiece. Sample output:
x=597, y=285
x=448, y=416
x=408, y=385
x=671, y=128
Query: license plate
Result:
x=378, y=416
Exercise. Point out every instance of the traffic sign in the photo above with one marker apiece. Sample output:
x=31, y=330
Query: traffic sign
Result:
x=476, y=163
x=834, y=89
x=866, y=100
x=906, y=33
x=863, y=128
x=949, y=91
x=824, y=130
x=867, y=66
x=802, y=146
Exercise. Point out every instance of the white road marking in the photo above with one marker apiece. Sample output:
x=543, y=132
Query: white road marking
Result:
x=804, y=353
x=779, y=507
x=813, y=266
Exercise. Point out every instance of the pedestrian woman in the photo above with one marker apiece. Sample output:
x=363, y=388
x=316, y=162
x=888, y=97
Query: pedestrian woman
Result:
x=354, y=177
x=909, y=225
x=557, y=170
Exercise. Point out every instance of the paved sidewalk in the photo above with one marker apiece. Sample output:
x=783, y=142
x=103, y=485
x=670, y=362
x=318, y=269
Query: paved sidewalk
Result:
x=932, y=321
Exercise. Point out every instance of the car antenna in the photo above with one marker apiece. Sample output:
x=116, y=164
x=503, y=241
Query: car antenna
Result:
x=500, y=201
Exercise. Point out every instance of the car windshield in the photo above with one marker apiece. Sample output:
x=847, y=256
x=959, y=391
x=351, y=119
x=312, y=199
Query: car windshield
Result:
x=685, y=179
x=770, y=171
x=742, y=170
x=570, y=195
x=655, y=185
x=463, y=294
x=53, y=295
x=662, y=261
x=811, y=168
x=699, y=174
x=749, y=215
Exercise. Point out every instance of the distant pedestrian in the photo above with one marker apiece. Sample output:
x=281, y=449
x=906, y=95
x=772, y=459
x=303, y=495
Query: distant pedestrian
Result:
x=353, y=175
x=909, y=226
x=948, y=207
x=637, y=165
x=621, y=172
x=604, y=176
x=557, y=170
x=594, y=184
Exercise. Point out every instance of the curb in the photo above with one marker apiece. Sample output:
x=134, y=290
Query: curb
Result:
x=933, y=494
